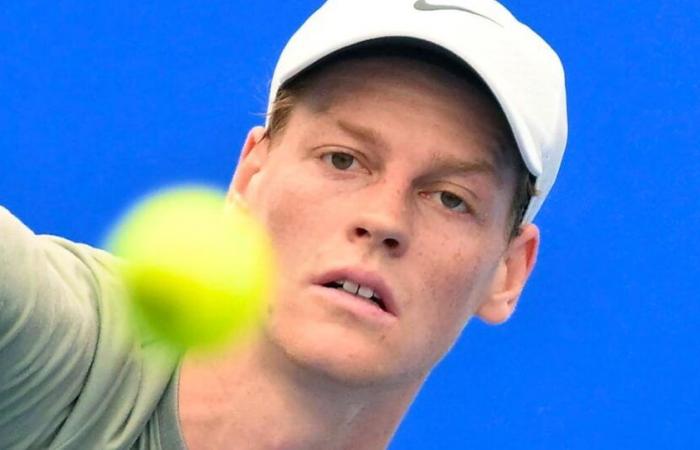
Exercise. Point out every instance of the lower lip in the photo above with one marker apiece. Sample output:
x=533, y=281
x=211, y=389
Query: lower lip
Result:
x=357, y=306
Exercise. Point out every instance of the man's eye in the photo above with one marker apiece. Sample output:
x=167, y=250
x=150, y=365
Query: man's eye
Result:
x=340, y=160
x=451, y=201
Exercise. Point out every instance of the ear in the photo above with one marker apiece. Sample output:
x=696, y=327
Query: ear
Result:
x=252, y=159
x=511, y=274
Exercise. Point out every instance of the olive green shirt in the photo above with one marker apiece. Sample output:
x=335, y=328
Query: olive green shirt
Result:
x=73, y=374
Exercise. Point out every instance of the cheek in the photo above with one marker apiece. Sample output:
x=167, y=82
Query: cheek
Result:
x=292, y=209
x=452, y=291
x=470, y=282
x=285, y=216
x=284, y=207
x=456, y=284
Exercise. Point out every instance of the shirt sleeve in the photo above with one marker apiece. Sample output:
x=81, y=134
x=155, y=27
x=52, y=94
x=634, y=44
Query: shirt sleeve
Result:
x=73, y=374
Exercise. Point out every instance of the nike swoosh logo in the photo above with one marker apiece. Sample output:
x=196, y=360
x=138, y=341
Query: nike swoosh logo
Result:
x=423, y=5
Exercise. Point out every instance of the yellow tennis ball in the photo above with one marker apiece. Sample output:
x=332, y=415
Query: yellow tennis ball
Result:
x=198, y=273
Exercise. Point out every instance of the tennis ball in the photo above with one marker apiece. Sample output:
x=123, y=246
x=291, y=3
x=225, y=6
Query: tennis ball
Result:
x=198, y=272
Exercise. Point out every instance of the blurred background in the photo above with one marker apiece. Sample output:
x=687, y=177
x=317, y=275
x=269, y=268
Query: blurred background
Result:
x=102, y=102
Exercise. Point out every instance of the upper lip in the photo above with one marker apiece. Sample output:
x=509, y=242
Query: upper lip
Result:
x=365, y=278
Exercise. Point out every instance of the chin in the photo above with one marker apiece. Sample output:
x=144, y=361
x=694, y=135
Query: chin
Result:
x=336, y=354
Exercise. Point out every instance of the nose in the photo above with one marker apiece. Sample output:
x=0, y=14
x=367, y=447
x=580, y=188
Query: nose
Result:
x=382, y=224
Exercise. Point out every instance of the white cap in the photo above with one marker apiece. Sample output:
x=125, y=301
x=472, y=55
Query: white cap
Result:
x=521, y=69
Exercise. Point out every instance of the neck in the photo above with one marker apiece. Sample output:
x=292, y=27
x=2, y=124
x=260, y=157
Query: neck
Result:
x=259, y=399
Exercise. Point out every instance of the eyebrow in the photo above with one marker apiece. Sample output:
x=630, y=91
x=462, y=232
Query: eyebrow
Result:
x=455, y=165
x=363, y=134
x=443, y=163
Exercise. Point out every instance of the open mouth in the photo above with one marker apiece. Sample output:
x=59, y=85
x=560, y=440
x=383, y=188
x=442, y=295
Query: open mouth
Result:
x=362, y=292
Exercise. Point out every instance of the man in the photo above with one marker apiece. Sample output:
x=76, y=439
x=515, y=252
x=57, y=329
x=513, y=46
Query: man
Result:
x=408, y=147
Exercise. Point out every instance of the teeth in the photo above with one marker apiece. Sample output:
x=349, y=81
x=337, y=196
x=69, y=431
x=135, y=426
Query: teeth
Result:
x=356, y=289
x=350, y=286
x=365, y=292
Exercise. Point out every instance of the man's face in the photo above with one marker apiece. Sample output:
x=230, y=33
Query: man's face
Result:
x=387, y=175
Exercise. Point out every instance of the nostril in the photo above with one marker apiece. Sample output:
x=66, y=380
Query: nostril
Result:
x=391, y=243
x=361, y=232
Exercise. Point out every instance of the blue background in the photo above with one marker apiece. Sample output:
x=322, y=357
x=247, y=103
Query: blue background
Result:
x=101, y=102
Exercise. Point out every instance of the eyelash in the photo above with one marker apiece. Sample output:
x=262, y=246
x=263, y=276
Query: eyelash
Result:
x=465, y=207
